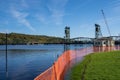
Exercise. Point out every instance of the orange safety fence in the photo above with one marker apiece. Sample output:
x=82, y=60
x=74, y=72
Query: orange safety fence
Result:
x=68, y=58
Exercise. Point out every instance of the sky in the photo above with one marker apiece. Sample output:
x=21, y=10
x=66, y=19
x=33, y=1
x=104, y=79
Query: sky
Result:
x=49, y=17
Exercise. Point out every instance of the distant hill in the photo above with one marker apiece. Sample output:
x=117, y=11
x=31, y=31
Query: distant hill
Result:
x=17, y=38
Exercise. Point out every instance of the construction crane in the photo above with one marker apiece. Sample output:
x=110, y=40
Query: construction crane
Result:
x=106, y=22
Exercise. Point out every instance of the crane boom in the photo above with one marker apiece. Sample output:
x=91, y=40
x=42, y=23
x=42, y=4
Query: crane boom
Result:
x=106, y=22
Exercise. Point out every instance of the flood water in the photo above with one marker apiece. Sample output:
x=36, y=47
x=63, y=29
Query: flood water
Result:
x=25, y=62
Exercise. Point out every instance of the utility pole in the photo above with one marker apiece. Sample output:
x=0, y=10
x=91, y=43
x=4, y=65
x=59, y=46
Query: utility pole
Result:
x=106, y=22
x=6, y=58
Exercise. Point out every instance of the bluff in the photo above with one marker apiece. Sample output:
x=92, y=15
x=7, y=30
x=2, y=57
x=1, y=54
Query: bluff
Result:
x=17, y=38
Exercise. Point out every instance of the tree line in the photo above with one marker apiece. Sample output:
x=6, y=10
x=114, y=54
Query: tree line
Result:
x=17, y=38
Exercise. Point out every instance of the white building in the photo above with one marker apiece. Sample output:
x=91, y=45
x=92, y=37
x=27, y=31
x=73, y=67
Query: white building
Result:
x=104, y=41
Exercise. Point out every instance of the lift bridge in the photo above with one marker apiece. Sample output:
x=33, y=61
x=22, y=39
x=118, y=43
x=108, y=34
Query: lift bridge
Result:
x=98, y=34
x=90, y=40
x=82, y=39
x=77, y=39
x=116, y=38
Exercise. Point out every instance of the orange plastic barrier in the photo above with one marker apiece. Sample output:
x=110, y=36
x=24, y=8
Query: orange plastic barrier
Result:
x=68, y=58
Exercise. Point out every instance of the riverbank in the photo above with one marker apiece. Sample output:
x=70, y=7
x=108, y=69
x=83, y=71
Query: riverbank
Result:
x=98, y=66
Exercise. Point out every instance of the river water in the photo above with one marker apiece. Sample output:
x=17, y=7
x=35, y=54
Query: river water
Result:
x=25, y=62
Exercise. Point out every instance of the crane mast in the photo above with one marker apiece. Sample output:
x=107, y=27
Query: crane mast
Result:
x=106, y=22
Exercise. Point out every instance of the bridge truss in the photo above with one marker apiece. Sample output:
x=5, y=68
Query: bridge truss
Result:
x=87, y=39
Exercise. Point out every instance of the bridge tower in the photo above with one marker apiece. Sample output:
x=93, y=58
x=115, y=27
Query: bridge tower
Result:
x=100, y=40
x=67, y=34
x=98, y=33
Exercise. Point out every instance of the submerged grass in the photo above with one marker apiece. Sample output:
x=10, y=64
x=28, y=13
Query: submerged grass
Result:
x=100, y=66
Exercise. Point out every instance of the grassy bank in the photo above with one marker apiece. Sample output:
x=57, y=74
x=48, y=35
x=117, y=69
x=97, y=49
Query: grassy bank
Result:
x=98, y=66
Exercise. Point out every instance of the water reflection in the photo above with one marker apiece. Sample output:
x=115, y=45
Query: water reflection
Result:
x=25, y=62
x=66, y=47
x=104, y=49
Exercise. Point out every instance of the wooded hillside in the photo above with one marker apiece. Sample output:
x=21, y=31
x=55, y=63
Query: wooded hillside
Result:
x=16, y=38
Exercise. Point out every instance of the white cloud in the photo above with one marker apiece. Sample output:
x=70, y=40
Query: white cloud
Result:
x=21, y=18
x=57, y=7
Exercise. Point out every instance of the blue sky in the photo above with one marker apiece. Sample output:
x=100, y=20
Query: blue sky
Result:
x=49, y=17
